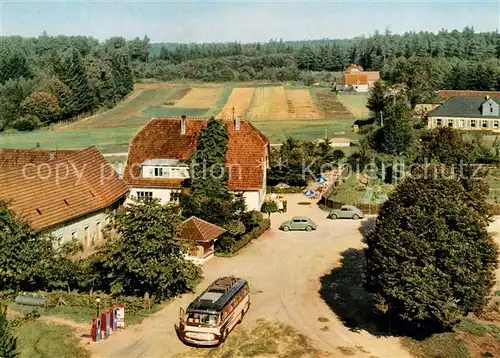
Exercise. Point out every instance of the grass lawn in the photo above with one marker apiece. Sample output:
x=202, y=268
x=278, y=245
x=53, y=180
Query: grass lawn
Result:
x=267, y=338
x=306, y=129
x=356, y=104
x=349, y=192
x=108, y=139
x=469, y=339
x=37, y=339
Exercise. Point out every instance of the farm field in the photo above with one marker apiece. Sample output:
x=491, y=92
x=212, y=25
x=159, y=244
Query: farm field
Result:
x=240, y=98
x=301, y=105
x=199, y=98
x=278, y=111
x=356, y=104
x=269, y=103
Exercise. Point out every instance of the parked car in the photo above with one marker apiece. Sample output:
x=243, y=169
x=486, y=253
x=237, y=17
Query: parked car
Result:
x=298, y=223
x=346, y=212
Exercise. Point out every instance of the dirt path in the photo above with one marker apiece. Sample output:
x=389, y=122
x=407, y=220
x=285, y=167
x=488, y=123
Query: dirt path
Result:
x=285, y=272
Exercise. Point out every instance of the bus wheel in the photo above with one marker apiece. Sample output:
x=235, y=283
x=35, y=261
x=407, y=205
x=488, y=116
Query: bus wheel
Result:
x=224, y=335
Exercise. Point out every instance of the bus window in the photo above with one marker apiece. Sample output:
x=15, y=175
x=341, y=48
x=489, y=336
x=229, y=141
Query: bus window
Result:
x=202, y=318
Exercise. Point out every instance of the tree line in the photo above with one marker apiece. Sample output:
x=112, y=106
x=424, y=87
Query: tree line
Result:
x=47, y=79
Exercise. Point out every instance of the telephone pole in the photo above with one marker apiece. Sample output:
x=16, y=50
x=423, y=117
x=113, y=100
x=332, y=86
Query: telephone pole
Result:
x=234, y=110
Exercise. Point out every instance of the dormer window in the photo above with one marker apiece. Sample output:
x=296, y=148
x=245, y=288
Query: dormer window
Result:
x=491, y=108
x=158, y=172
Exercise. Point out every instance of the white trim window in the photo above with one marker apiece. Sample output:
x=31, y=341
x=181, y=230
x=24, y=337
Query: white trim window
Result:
x=495, y=124
x=461, y=123
x=473, y=123
x=485, y=123
x=158, y=172
x=438, y=122
x=144, y=195
x=450, y=122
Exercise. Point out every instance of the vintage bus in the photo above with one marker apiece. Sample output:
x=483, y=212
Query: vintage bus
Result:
x=213, y=314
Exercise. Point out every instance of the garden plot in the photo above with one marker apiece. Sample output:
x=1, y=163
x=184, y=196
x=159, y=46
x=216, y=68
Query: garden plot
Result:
x=301, y=105
x=331, y=107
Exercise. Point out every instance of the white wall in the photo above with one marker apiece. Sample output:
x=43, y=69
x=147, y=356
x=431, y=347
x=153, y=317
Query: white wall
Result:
x=63, y=232
x=253, y=199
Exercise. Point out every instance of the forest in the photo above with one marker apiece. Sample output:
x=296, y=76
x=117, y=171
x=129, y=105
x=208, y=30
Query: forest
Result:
x=48, y=79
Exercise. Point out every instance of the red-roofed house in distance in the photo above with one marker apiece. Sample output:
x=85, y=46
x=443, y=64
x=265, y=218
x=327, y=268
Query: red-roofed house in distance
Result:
x=356, y=79
x=156, y=162
x=67, y=194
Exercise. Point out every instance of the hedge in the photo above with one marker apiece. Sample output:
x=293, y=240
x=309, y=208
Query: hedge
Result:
x=245, y=239
x=74, y=299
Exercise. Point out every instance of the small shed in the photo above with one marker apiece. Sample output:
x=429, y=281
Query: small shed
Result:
x=201, y=234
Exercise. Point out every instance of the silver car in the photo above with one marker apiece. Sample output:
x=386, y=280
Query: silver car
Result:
x=346, y=212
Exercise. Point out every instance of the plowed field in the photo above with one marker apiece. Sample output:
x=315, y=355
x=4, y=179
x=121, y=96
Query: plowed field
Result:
x=240, y=99
x=331, y=107
x=199, y=98
x=301, y=105
x=269, y=103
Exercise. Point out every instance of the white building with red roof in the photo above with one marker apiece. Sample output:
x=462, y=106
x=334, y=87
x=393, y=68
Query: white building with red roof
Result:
x=68, y=194
x=156, y=162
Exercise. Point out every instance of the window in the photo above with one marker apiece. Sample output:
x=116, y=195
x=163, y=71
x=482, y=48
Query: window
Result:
x=473, y=123
x=73, y=235
x=97, y=231
x=450, y=122
x=86, y=237
x=461, y=123
x=144, y=195
x=344, y=209
x=491, y=109
x=59, y=240
x=158, y=172
x=438, y=122
x=495, y=124
x=175, y=196
x=485, y=124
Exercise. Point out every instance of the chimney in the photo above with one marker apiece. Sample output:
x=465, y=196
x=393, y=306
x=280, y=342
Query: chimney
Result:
x=487, y=97
x=183, y=125
x=237, y=123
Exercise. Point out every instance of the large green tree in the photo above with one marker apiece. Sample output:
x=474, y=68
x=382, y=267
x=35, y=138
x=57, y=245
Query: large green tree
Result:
x=396, y=136
x=145, y=257
x=209, y=197
x=430, y=260
x=25, y=256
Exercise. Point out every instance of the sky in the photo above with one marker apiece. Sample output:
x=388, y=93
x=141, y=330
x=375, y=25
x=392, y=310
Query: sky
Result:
x=243, y=21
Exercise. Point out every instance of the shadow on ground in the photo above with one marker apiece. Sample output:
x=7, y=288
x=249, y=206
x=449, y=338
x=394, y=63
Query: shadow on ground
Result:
x=342, y=289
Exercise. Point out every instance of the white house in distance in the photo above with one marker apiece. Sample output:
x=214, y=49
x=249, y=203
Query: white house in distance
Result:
x=156, y=162
x=357, y=79
x=66, y=194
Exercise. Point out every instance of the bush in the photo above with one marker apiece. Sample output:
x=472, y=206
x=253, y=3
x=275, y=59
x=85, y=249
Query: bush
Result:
x=269, y=207
x=229, y=245
x=27, y=123
x=74, y=299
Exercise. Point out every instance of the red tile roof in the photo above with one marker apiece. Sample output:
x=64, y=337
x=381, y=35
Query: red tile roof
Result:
x=12, y=158
x=356, y=79
x=50, y=193
x=161, y=139
x=195, y=229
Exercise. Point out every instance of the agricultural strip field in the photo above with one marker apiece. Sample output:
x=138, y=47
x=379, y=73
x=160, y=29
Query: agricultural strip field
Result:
x=131, y=107
x=199, y=98
x=240, y=99
x=331, y=107
x=301, y=105
x=269, y=103
x=356, y=104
